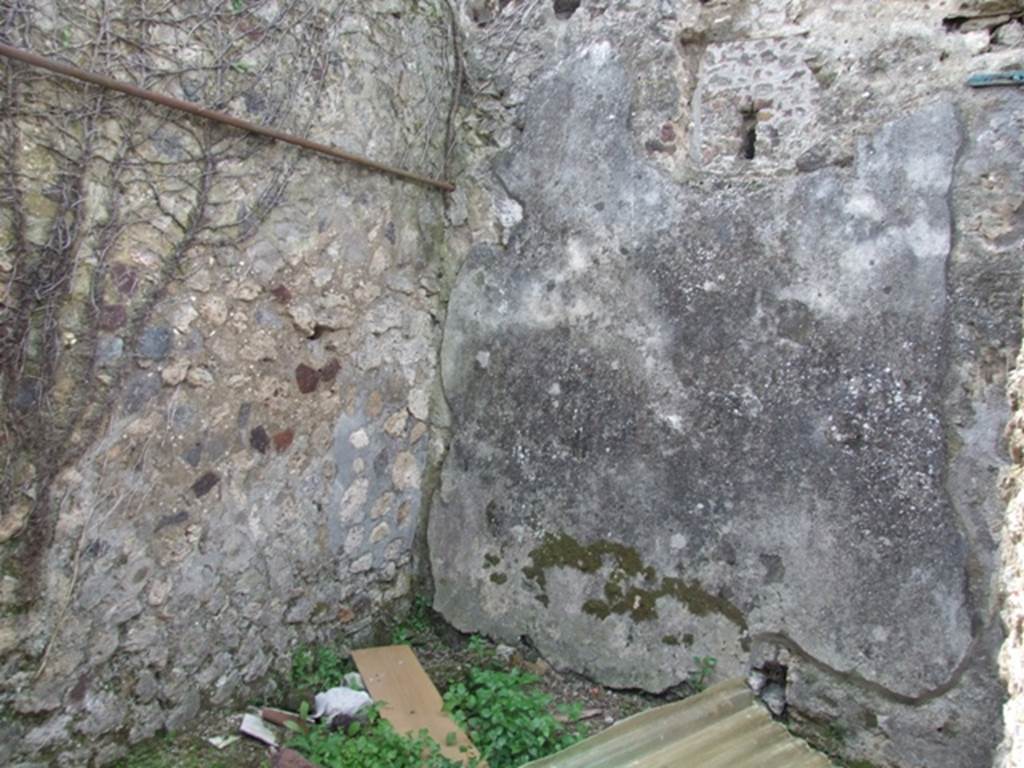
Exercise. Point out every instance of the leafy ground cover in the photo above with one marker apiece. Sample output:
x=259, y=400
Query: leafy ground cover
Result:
x=373, y=744
x=514, y=707
x=509, y=718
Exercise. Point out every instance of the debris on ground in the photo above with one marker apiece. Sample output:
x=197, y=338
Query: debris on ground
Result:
x=282, y=717
x=220, y=742
x=446, y=656
x=340, y=702
x=254, y=727
x=586, y=714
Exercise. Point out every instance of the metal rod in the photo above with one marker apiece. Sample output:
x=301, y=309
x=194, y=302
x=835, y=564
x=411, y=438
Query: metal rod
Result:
x=220, y=117
x=990, y=79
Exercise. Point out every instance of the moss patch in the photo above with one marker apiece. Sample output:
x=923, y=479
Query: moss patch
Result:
x=563, y=551
x=632, y=587
x=638, y=603
x=701, y=602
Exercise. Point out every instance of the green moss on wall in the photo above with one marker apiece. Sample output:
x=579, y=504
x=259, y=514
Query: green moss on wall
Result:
x=631, y=587
x=563, y=551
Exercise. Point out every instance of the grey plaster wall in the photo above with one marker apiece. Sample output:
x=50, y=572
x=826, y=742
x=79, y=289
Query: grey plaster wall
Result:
x=1011, y=658
x=726, y=357
x=255, y=482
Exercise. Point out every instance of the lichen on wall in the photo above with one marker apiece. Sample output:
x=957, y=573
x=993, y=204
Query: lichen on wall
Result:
x=218, y=354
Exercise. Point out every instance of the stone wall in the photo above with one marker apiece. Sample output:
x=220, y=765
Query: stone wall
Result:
x=727, y=353
x=729, y=291
x=220, y=354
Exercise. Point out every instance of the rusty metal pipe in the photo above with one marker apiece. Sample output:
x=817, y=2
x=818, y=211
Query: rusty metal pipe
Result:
x=220, y=117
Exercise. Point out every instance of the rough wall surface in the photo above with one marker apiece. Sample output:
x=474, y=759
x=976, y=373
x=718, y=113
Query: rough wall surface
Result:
x=726, y=357
x=1011, y=659
x=724, y=365
x=220, y=359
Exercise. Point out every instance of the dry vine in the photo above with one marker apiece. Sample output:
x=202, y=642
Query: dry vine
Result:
x=105, y=199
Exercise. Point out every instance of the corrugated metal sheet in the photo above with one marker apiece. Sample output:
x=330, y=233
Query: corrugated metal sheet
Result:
x=723, y=727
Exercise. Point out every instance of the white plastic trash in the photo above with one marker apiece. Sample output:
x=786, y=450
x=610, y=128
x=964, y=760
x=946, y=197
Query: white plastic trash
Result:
x=354, y=681
x=340, y=701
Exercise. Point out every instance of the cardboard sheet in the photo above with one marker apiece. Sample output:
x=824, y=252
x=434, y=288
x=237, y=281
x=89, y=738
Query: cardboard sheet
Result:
x=409, y=700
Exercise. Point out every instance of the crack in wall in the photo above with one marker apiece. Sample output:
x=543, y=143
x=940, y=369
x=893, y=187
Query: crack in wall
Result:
x=870, y=686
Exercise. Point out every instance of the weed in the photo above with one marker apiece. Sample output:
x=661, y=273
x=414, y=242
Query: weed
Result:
x=319, y=668
x=415, y=627
x=419, y=616
x=701, y=676
x=835, y=733
x=481, y=650
x=401, y=636
x=373, y=744
x=508, y=720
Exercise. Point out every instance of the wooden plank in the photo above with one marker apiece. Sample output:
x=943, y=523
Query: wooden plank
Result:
x=409, y=701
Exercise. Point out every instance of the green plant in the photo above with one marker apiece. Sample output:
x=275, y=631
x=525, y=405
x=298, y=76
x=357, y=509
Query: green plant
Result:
x=373, y=744
x=401, y=636
x=835, y=734
x=319, y=668
x=413, y=629
x=700, y=677
x=507, y=718
x=481, y=650
x=419, y=616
